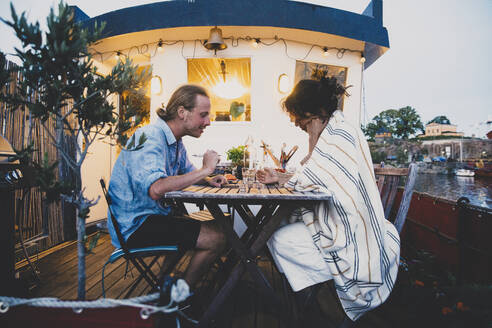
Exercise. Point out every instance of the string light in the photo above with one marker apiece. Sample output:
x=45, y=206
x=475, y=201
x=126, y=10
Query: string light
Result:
x=160, y=48
x=255, y=42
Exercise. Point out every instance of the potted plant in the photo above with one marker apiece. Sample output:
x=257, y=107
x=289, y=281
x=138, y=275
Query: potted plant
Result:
x=73, y=104
x=237, y=156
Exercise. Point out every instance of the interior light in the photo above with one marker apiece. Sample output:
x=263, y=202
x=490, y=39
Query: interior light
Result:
x=283, y=83
x=255, y=43
x=118, y=55
x=362, y=58
x=156, y=85
x=231, y=89
x=325, y=51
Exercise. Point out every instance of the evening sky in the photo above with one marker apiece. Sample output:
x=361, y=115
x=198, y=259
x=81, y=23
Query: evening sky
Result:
x=438, y=61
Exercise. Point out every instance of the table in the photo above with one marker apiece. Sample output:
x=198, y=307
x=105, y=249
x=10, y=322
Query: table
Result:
x=276, y=203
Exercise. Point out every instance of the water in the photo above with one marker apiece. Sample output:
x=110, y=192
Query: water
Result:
x=477, y=190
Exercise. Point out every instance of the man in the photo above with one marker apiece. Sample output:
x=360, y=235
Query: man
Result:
x=142, y=177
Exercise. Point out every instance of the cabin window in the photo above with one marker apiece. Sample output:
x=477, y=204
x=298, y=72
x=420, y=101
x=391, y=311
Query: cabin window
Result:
x=307, y=70
x=228, y=83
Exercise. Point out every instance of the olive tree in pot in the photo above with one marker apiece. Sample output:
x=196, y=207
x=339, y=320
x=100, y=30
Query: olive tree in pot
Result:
x=73, y=102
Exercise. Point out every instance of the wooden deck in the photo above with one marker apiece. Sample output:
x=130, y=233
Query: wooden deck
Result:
x=58, y=273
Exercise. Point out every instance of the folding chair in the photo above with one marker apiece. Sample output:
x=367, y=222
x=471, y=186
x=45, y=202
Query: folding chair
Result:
x=136, y=255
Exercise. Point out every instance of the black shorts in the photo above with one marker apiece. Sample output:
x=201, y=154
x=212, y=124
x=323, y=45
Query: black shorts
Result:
x=158, y=230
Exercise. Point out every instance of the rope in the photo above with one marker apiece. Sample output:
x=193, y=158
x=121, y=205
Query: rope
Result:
x=179, y=293
x=52, y=302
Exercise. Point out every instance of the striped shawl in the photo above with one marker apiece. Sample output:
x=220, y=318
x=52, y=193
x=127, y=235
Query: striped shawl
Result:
x=359, y=245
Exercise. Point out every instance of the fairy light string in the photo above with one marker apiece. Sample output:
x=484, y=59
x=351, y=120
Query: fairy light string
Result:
x=152, y=48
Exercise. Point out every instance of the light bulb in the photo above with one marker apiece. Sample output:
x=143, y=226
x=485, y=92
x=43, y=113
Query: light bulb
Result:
x=325, y=51
x=160, y=47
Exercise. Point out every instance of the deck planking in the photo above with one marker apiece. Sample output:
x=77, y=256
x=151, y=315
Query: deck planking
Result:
x=245, y=308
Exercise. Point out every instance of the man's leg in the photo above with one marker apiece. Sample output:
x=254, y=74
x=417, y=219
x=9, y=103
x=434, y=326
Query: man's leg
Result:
x=210, y=244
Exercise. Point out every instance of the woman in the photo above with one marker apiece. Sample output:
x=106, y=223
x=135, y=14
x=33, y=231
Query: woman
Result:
x=347, y=240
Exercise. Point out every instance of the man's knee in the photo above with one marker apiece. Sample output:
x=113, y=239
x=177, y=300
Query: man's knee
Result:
x=219, y=239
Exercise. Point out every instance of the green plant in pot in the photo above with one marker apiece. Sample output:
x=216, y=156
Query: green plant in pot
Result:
x=236, y=109
x=238, y=156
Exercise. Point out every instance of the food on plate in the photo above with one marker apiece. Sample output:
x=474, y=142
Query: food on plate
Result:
x=229, y=176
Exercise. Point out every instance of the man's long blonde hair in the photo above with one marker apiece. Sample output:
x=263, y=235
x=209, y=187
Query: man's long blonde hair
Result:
x=184, y=96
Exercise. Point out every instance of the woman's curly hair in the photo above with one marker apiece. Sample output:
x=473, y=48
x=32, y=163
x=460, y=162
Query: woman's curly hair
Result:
x=314, y=98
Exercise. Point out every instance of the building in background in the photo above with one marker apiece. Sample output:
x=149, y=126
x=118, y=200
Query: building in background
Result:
x=382, y=135
x=439, y=129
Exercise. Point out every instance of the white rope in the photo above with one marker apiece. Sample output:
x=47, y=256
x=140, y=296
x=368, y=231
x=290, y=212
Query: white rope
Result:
x=179, y=292
x=51, y=302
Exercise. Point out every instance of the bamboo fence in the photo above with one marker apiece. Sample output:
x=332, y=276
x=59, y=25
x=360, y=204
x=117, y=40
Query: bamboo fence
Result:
x=36, y=223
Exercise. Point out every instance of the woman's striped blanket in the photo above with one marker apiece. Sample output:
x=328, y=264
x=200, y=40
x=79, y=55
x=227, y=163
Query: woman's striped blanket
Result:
x=359, y=245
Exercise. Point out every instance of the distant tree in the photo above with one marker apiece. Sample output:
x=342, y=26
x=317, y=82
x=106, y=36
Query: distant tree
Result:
x=378, y=156
x=58, y=66
x=408, y=123
x=401, y=123
x=440, y=119
x=385, y=120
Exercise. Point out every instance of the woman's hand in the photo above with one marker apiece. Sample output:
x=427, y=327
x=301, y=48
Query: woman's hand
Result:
x=266, y=176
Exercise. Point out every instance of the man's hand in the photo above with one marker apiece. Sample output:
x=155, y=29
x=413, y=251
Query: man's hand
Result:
x=266, y=176
x=216, y=181
x=210, y=160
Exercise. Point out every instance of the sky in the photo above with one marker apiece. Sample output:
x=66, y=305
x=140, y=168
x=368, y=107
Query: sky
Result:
x=438, y=61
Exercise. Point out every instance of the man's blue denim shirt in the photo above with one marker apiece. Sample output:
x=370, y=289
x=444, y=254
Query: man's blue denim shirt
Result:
x=135, y=171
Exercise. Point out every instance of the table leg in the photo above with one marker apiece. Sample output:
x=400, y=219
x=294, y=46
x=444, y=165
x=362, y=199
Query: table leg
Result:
x=246, y=263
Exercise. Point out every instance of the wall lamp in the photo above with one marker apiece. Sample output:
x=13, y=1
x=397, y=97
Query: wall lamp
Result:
x=156, y=85
x=283, y=83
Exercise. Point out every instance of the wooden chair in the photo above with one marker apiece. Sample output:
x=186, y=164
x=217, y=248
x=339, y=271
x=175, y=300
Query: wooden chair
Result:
x=136, y=256
x=388, y=180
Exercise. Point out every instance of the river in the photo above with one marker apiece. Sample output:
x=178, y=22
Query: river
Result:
x=477, y=190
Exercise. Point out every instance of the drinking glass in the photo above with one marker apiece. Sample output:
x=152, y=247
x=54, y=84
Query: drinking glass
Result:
x=243, y=186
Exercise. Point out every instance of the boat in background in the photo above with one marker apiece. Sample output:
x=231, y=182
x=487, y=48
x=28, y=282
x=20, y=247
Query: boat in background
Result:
x=464, y=173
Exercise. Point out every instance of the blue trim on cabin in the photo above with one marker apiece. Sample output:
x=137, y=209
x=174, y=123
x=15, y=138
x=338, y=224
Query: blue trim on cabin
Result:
x=79, y=14
x=275, y=13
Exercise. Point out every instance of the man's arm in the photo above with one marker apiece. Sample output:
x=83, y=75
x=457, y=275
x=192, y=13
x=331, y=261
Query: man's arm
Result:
x=172, y=183
x=178, y=182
